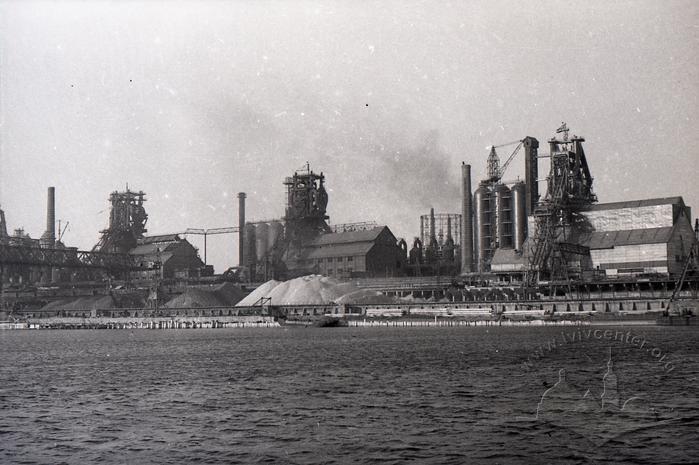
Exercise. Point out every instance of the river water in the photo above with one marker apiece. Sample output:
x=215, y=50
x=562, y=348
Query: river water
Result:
x=351, y=395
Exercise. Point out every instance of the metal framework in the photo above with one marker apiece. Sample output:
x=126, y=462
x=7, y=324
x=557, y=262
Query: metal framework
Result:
x=64, y=258
x=306, y=205
x=215, y=231
x=569, y=190
x=127, y=222
x=444, y=226
x=691, y=262
x=494, y=171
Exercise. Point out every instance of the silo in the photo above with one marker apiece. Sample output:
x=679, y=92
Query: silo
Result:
x=481, y=201
x=261, y=241
x=519, y=214
x=503, y=214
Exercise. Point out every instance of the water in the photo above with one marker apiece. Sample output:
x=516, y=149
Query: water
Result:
x=346, y=395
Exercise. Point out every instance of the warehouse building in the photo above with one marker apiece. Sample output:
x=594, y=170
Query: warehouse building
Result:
x=168, y=256
x=639, y=237
x=365, y=253
x=652, y=236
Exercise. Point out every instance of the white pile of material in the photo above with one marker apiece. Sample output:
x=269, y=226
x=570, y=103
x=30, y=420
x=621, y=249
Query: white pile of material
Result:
x=307, y=290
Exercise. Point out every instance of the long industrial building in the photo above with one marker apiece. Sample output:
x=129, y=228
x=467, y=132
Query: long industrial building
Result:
x=652, y=236
x=355, y=254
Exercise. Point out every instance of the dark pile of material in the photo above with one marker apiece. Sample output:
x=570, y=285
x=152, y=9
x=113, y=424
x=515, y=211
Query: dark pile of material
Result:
x=96, y=302
x=222, y=295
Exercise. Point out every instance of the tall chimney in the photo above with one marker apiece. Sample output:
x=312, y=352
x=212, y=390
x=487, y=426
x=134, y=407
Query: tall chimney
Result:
x=531, y=172
x=241, y=229
x=466, y=220
x=48, y=239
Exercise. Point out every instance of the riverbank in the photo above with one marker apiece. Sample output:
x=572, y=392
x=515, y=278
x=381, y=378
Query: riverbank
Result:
x=144, y=323
x=271, y=322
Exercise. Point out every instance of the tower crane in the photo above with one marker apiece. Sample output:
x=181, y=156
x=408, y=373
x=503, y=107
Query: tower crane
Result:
x=495, y=171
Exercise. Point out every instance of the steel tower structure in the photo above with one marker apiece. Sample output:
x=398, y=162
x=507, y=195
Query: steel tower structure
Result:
x=569, y=189
x=127, y=222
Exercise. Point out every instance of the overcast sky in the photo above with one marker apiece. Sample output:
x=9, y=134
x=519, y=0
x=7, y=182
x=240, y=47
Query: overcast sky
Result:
x=193, y=102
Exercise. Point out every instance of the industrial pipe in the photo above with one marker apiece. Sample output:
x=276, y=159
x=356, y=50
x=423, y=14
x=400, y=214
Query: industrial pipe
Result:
x=466, y=220
x=531, y=172
x=48, y=239
x=241, y=228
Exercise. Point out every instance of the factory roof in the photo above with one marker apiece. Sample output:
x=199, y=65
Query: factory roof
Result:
x=160, y=238
x=637, y=203
x=151, y=248
x=348, y=243
x=348, y=237
x=508, y=257
x=162, y=258
x=154, y=245
x=609, y=239
x=340, y=250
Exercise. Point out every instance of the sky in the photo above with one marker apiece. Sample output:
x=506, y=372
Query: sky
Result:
x=193, y=102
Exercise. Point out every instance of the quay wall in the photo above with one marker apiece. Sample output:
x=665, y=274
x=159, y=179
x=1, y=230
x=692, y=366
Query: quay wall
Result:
x=143, y=323
x=220, y=317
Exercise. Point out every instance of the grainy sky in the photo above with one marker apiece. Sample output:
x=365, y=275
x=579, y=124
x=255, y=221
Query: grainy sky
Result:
x=193, y=102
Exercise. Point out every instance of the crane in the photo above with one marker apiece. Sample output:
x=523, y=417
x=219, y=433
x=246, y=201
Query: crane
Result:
x=672, y=305
x=213, y=231
x=495, y=171
x=208, y=232
x=61, y=232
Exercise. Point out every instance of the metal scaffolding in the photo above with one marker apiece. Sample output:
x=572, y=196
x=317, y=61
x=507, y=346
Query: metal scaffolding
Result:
x=569, y=190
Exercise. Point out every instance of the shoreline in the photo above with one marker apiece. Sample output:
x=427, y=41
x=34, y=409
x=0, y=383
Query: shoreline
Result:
x=270, y=322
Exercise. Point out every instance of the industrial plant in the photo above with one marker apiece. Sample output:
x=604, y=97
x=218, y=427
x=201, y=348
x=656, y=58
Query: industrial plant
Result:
x=565, y=236
x=510, y=242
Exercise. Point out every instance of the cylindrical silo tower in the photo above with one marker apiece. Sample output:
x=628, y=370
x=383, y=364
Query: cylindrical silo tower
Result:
x=481, y=201
x=519, y=214
x=503, y=213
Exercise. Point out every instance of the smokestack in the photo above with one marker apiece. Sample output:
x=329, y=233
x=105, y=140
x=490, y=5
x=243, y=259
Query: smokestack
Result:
x=3, y=225
x=531, y=172
x=433, y=237
x=241, y=228
x=48, y=239
x=466, y=220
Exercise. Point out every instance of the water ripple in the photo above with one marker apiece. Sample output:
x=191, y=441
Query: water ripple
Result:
x=340, y=396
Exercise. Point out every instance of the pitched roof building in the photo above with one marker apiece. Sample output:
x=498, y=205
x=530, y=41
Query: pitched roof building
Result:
x=170, y=255
x=366, y=253
x=624, y=238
